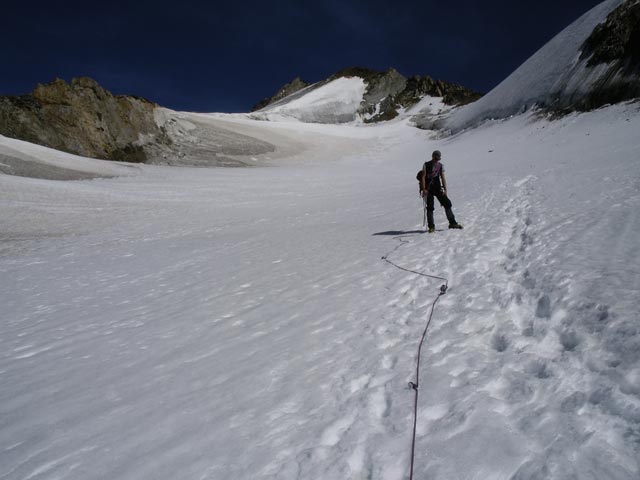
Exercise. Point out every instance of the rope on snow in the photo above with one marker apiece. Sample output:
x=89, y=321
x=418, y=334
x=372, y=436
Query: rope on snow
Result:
x=414, y=385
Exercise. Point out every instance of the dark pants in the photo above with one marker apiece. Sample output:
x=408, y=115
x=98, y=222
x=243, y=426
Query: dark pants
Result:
x=445, y=202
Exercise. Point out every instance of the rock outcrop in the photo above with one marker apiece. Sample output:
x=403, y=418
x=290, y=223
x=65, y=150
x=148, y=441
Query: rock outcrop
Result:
x=292, y=87
x=388, y=92
x=615, y=43
x=85, y=119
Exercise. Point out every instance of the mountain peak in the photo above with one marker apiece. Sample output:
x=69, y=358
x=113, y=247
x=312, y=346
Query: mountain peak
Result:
x=287, y=89
x=386, y=93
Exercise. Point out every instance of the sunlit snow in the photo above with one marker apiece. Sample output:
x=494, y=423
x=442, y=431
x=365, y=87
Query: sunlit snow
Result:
x=335, y=102
x=239, y=323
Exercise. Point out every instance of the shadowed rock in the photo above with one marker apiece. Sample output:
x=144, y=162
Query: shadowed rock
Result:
x=616, y=43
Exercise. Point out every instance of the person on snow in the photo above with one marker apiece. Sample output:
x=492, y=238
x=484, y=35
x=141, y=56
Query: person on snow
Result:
x=431, y=186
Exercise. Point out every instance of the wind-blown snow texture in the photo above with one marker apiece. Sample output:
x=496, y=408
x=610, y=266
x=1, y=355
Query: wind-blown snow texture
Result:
x=553, y=72
x=239, y=323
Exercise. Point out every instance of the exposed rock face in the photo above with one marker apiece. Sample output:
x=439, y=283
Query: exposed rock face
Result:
x=382, y=87
x=617, y=39
x=616, y=44
x=83, y=118
x=292, y=87
x=387, y=92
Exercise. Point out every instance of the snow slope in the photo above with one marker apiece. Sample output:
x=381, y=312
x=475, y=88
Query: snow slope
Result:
x=35, y=161
x=554, y=72
x=334, y=102
x=239, y=323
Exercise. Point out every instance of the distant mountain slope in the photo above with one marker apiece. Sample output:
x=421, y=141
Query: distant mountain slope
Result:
x=358, y=93
x=290, y=88
x=594, y=61
x=85, y=119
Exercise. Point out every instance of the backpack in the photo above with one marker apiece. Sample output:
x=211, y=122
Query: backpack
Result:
x=431, y=174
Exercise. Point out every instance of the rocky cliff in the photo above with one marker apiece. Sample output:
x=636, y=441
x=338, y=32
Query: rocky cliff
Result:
x=85, y=119
x=614, y=44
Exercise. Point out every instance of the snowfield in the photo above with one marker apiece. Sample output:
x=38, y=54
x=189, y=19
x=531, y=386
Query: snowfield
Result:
x=192, y=323
x=334, y=102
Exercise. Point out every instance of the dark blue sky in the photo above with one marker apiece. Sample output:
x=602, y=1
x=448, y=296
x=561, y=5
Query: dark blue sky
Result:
x=225, y=56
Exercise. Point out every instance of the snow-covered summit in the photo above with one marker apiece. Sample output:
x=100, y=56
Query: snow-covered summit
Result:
x=558, y=75
x=359, y=95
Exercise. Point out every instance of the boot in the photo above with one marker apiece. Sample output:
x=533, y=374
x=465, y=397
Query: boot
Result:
x=449, y=213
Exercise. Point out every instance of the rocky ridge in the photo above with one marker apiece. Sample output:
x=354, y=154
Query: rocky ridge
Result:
x=85, y=119
x=387, y=92
x=293, y=86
